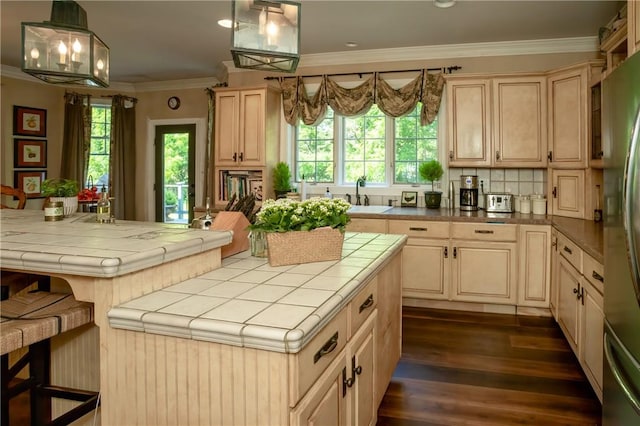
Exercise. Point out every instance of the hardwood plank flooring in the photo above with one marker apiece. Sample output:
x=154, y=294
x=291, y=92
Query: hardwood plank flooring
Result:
x=465, y=368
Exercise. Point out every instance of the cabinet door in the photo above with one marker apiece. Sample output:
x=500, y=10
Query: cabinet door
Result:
x=591, y=336
x=362, y=410
x=389, y=327
x=252, y=128
x=568, y=118
x=553, y=302
x=520, y=122
x=227, y=131
x=469, y=122
x=484, y=271
x=568, y=193
x=568, y=290
x=325, y=403
x=535, y=261
x=418, y=256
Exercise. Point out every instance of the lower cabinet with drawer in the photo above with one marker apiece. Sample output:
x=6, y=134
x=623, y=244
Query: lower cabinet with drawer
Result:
x=426, y=267
x=484, y=266
x=579, y=280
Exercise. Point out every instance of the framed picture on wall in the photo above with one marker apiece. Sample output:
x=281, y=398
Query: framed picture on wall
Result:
x=29, y=121
x=29, y=153
x=30, y=182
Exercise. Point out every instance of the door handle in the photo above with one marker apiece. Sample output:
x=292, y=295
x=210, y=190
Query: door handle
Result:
x=550, y=156
x=446, y=252
x=555, y=192
x=455, y=253
x=597, y=276
x=498, y=155
x=567, y=249
x=483, y=231
x=366, y=304
x=412, y=228
x=241, y=156
x=611, y=341
x=235, y=157
x=450, y=155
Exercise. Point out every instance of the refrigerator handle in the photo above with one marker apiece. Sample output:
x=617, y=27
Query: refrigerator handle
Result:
x=609, y=342
x=629, y=191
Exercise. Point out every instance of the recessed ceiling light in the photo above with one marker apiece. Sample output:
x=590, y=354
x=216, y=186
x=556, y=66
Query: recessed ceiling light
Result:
x=226, y=23
x=351, y=44
x=444, y=3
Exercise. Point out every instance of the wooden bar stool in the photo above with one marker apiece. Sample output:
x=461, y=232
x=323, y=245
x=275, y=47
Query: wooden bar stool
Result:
x=30, y=320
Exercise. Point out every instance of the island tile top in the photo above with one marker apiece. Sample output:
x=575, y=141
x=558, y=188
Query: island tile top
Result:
x=249, y=303
x=78, y=245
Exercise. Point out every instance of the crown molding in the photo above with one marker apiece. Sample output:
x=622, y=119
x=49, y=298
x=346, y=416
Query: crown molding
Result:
x=154, y=86
x=447, y=51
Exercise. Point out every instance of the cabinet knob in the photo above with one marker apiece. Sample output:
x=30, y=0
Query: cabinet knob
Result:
x=497, y=155
x=555, y=192
x=450, y=155
x=550, y=156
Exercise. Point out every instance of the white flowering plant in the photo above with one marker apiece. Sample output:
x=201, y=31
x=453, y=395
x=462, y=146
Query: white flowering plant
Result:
x=284, y=215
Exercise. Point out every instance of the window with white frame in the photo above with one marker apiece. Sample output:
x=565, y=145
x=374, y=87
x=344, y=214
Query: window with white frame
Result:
x=99, y=152
x=364, y=146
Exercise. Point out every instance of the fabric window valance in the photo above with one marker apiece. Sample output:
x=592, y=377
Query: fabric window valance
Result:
x=297, y=106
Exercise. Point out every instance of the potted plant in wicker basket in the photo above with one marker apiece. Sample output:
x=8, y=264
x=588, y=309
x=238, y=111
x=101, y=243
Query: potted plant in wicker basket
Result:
x=303, y=231
x=65, y=190
x=281, y=179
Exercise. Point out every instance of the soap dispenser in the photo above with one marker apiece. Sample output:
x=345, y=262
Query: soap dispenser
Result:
x=328, y=194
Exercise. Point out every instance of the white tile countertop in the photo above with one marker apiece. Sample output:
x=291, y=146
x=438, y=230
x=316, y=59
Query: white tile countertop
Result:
x=249, y=303
x=78, y=245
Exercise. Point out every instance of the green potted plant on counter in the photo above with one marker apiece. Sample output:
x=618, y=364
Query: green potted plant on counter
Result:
x=65, y=190
x=431, y=171
x=281, y=179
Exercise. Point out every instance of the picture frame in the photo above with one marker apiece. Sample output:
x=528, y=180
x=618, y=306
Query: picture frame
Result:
x=30, y=182
x=409, y=199
x=255, y=186
x=29, y=121
x=29, y=154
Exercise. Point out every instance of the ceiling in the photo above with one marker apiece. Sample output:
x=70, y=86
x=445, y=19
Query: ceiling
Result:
x=153, y=41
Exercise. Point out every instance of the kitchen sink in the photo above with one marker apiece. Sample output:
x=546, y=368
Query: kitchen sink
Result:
x=369, y=209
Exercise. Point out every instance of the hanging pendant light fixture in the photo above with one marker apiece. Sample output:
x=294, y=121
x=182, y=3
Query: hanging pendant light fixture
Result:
x=64, y=50
x=266, y=35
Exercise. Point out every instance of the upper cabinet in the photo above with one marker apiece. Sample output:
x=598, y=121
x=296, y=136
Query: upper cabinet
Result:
x=633, y=27
x=569, y=115
x=497, y=121
x=246, y=126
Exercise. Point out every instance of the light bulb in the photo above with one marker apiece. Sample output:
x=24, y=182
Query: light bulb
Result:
x=35, y=53
x=100, y=64
x=62, y=49
x=77, y=47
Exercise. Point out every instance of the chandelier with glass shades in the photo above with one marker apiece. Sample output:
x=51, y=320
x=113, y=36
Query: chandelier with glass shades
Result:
x=64, y=50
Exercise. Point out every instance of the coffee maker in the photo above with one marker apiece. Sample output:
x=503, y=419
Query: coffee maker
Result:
x=468, y=192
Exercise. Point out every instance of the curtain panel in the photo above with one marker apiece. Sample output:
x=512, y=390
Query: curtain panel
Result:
x=123, y=157
x=297, y=106
x=76, y=137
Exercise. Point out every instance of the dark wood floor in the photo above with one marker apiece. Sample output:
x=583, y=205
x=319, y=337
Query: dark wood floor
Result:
x=462, y=368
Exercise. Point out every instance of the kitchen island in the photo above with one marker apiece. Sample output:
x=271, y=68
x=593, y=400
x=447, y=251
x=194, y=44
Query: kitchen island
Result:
x=185, y=338
x=105, y=264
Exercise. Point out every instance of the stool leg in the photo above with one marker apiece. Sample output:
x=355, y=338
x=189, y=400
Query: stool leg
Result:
x=4, y=388
x=40, y=370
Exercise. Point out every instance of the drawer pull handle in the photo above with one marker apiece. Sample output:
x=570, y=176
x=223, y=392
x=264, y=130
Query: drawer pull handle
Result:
x=327, y=348
x=567, y=249
x=366, y=304
x=415, y=228
x=483, y=231
x=597, y=276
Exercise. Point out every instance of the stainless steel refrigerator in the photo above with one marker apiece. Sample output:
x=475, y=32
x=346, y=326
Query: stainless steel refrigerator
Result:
x=621, y=143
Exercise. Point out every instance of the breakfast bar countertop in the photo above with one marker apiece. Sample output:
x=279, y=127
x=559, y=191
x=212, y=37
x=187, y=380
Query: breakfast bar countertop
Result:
x=77, y=245
x=251, y=304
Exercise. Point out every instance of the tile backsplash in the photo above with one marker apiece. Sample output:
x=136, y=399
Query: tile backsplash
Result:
x=515, y=181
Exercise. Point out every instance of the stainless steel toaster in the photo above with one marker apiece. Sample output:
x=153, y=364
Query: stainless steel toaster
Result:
x=499, y=203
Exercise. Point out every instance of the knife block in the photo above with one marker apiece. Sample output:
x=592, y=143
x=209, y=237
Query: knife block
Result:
x=236, y=222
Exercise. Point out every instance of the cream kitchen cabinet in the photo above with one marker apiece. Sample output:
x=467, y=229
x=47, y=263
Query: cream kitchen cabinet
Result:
x=633, y=27
x=427, y=249
x=497, y=121
x=555, y=258
x=534, y=253
x=569, y=115
x=343, y=395
x=247, y=128
x=484, y=264
x=592, y=323
x=246, y=121
x=568, y=193
x=580, y=281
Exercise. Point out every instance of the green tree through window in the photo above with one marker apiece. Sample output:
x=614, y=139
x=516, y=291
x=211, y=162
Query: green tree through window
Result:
x=365, y=143
x=100, y=150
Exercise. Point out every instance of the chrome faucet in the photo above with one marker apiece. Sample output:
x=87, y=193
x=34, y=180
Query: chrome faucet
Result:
x=366, y=200
x=359, y=183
